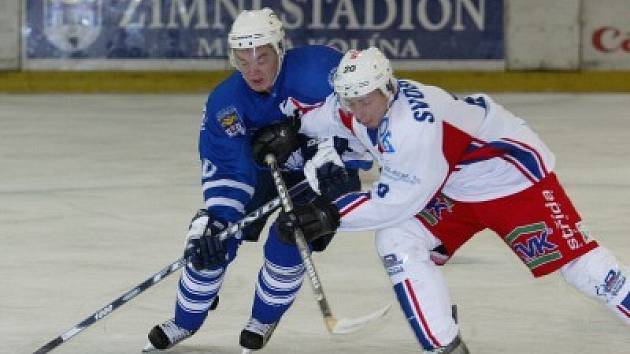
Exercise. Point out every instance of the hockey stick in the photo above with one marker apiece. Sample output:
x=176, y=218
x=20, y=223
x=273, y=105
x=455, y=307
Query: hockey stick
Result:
x=333, y=325
x=166, y=271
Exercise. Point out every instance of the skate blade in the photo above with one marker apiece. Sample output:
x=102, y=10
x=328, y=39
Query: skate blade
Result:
x=246, y=351
x=345, y=325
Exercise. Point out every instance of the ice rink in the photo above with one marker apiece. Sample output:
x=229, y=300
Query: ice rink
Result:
x=96, y=192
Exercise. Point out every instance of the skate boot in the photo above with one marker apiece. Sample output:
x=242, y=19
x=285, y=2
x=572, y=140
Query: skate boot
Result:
x=165, y=336
x=457, y=346
x=255, y=334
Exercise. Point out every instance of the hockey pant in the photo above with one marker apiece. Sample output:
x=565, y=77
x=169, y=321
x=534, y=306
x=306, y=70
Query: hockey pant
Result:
x=545, y=231
x=418, y=283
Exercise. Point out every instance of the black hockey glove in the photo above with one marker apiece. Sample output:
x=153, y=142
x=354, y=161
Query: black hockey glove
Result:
x=324, y=168
x=279, y=139
x=316, y=219
x=204, y=249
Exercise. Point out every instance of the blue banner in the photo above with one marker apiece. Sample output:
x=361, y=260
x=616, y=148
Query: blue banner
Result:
x=197, y=29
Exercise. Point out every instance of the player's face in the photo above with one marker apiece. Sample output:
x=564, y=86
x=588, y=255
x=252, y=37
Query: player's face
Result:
x=258, y=66
x=369, y=109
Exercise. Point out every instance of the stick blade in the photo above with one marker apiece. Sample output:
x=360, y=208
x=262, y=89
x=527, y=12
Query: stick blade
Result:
x=349, y=325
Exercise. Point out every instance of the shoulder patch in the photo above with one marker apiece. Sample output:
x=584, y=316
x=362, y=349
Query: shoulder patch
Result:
x=231, y=122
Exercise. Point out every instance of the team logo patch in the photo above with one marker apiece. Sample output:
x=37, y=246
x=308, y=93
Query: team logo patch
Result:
x=432, y=213
x=231, y=122
x=613, y=282
x=392, y=264
x=531, y=243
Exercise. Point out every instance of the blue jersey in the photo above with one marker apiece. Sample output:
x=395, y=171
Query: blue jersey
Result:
x=234, y=111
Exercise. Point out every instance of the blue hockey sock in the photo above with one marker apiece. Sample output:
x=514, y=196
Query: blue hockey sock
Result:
x=279, y=280
x=195, y=294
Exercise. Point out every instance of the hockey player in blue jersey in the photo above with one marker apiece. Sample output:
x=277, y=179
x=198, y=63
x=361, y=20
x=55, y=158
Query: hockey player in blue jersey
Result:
x=233, y=184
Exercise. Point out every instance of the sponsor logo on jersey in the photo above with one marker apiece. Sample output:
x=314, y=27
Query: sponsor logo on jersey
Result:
x=392, y=264
x=432, y=213
x=562, y=221
x=231, y=122
x=399, y=176
x=613, y=282
x=531, y=243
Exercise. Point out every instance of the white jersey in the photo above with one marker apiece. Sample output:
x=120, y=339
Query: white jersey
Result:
x=471, y=150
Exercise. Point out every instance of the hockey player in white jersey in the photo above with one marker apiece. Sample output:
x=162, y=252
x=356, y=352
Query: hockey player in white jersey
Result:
x=449, y=168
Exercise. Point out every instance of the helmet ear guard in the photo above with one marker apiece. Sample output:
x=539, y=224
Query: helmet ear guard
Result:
x=363, y=71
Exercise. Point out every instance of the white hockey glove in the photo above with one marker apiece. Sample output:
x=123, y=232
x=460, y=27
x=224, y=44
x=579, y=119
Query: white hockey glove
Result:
x=325, y=167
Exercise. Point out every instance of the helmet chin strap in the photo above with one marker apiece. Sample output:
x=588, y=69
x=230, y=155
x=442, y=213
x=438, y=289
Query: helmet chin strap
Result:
x=279, y=48
x=390, y=90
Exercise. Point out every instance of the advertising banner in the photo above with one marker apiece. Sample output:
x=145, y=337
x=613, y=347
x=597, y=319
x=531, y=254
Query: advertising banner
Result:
x=606, y=35
x=191, y=34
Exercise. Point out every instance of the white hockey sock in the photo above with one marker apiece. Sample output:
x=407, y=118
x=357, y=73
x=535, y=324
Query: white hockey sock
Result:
x=598, y=275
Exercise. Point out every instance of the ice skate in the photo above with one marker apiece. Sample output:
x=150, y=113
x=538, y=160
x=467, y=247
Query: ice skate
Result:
x=457, y=346
x=165, y=335
x=255, y=335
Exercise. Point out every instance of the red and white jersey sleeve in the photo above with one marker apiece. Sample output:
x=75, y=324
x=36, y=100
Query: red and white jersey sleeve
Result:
x=505, y=157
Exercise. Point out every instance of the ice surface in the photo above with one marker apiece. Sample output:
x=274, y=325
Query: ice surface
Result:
x=96, y=192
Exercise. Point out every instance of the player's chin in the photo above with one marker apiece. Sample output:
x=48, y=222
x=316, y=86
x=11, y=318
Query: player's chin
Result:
x=259, y=85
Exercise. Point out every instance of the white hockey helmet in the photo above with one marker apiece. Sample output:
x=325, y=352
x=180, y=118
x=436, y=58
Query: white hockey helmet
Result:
x=255, y=28
x=363, y=71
